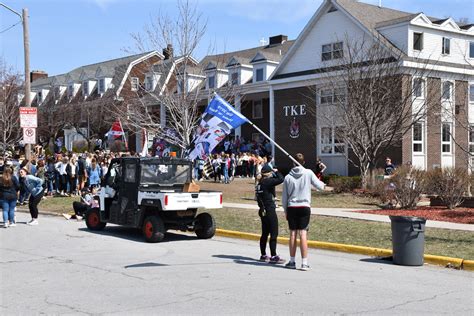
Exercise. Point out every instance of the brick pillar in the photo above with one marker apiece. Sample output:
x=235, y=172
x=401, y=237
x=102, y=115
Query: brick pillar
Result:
x=433, y=123
x=461, y=132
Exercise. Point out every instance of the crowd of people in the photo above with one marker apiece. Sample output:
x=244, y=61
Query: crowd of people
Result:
x=60, y=174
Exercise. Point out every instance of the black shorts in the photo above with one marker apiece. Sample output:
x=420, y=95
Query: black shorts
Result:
x=298, y=217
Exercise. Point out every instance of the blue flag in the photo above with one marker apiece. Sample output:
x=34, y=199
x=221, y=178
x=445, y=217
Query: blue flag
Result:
x=217, y=122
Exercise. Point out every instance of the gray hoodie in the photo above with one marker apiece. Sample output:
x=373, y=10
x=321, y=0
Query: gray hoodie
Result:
x=297, y=187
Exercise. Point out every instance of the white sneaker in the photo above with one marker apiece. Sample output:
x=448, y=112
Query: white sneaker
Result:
x=305, y=267
x=12, y=224
x=5, y=225
x=78, y=218
x=33, y=222
x=66, y=216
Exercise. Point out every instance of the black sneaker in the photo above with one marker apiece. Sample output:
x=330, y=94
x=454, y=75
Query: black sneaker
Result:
x=276, y=260
x=290, y=265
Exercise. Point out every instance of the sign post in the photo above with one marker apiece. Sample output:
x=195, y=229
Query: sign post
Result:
x=29, y=123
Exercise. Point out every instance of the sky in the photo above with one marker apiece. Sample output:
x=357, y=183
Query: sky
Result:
x=66, y=34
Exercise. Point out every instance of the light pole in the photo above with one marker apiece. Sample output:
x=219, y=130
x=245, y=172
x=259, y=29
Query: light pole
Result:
x=26, y=46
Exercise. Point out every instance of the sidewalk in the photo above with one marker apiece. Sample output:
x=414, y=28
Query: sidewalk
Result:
x=350, y=213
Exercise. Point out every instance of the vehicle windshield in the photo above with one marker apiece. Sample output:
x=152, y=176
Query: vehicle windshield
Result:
x=164, y=175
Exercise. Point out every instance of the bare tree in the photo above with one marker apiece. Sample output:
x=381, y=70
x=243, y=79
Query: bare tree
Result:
x=174, y=92
x=10, y=85
x=371, y=100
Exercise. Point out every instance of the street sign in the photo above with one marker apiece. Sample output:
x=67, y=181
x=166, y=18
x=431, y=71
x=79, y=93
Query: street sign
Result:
x=29, y=135
x=28, y=117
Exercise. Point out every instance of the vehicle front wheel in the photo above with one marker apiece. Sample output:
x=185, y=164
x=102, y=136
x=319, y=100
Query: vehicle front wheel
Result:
x=153, y=229
x=93, y=220
x=205, y=226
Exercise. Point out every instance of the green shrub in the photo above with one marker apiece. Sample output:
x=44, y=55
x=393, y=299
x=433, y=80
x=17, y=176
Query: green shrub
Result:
x=342, y=184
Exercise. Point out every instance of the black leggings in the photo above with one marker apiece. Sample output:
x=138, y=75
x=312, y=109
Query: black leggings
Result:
x=269, y=227
x=33, y=204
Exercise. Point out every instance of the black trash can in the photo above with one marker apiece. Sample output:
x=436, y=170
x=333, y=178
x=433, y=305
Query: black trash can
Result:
x=408, y=240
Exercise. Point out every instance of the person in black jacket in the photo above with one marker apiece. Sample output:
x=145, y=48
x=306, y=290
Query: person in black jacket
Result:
x=9, y=186
x=265, y=192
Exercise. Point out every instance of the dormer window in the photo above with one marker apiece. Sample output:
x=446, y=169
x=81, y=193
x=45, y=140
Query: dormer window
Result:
x=234, y=78
x=417, y=41
x=149, y=83
x=446, y=46
x=180, y=86
x=135, y=83
x=259, y=75
x=85, y=88
x=57, y=93
x=447, y=90
x=70, y=90
x=101, y=87
x=39, y=97
x=211, y=82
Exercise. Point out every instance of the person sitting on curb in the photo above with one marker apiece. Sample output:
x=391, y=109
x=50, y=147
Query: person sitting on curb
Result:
x=268, y=179
x=80, y=208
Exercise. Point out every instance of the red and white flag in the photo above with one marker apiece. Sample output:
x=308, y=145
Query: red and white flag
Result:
x=116, y=131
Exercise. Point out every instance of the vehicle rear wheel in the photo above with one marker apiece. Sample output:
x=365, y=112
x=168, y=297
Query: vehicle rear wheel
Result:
x=93, y=220
x=205, y=226
x=153, y=229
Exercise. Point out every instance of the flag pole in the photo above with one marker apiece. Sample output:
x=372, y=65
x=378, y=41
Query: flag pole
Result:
x=274, y=143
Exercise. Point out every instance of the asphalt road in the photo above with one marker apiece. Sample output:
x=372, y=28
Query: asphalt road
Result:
x=59, y=267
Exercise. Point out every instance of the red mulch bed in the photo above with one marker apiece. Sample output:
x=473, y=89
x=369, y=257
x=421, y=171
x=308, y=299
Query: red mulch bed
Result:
x=460, y=215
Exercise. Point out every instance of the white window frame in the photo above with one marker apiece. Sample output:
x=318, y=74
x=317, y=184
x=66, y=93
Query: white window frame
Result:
x=149, y=83
x=422, y=88
x=471, y=138
x=418, y=141
x=85, y=88
x=329, y=96
x=446, y=49
x=421, y=41
x=451, y=91
x=257, y=109
x=101, y=86
x=332, y=51
x=328, y=145
x=256, y=74
x=234, y=81
x=445, y=142
x=134, y=83
x=213, y=77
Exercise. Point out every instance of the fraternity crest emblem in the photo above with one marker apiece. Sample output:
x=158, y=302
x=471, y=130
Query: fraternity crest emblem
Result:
x=294, y=128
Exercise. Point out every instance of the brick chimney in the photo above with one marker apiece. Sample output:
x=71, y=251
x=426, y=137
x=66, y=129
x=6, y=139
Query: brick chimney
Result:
x=168, y=51
x=37, y=74
x=278, y=39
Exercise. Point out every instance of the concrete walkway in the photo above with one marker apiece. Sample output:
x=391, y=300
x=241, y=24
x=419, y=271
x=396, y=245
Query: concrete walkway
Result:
x=350, y=213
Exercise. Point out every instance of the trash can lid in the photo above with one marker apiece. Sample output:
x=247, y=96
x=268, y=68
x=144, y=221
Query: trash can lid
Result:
x=410, y=219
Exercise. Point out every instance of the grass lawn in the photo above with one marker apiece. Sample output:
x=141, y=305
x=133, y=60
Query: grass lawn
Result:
x=242, y=191
x=443, y=242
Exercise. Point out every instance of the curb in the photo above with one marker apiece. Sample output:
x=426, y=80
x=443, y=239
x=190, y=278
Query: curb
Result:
x=449, y=262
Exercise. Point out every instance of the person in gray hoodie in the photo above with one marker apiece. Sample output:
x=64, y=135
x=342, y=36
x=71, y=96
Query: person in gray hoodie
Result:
x=296, y=201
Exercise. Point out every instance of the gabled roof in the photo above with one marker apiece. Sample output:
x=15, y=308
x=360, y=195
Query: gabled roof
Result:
x=238, y=61
x=266, y=56
x=220, y=61
x=107, y=69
